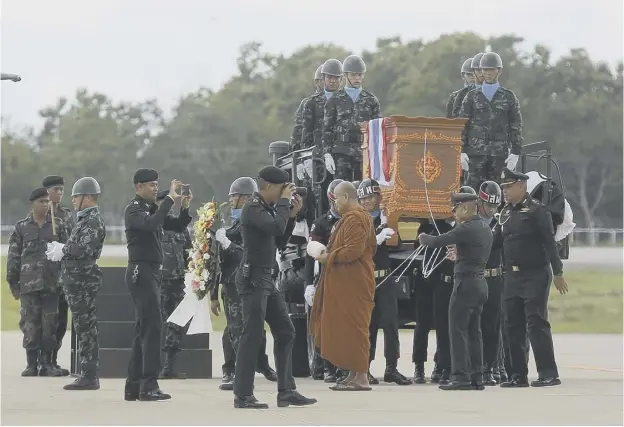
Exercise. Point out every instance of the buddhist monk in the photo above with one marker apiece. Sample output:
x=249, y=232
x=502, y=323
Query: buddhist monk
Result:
x=343, y=302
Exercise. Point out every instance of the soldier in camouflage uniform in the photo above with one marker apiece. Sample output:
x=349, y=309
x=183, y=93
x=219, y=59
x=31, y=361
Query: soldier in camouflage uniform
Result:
x=33, y=281
x=296, y=136
x=176, y=246
x=492, y=137
x=81, y=277
x=231, y=242
x=469, y=80
x=477, y=81
x=344, y=113
x=55, y=185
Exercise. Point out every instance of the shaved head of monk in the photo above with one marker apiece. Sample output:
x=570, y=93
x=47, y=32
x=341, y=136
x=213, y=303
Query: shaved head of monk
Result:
x=346, y=197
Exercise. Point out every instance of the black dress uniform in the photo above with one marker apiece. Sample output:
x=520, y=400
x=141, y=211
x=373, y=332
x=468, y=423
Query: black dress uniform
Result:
x=473, y=239
x=264, y=228
x=144, y=230
x=529, y=247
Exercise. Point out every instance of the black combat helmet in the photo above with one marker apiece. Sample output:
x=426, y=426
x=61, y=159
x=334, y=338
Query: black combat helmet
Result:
x=368, y=187
x=466, y=68
x=353, y=64
x=491, y=60
x=317, y=74
x=332, y=67
x=356, y=184
x=332, y=186
x=86, y=186
x=466, y=189
x=490, y=193
x=476, y=60
x=244, y=186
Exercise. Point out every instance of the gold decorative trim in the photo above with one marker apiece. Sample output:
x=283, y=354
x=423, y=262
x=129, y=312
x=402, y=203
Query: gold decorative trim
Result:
x=429, y=168
x=433, y=136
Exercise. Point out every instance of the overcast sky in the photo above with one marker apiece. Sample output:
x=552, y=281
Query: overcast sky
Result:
x=137, y=49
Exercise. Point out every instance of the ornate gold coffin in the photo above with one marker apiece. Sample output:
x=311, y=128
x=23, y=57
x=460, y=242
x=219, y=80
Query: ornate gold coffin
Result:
x=425, y=167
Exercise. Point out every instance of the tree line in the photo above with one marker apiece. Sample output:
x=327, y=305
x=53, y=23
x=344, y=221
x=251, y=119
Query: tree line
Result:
x=214, y=136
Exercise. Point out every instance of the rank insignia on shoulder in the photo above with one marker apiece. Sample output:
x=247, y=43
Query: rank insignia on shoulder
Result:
x=524, y=210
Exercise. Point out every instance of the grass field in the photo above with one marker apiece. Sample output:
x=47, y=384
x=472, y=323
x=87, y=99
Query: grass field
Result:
x=594, y=304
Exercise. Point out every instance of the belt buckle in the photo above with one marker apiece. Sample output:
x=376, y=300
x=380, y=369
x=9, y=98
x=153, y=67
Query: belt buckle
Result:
x=515, y=268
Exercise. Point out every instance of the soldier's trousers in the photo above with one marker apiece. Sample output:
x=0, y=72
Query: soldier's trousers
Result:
x=348, y=168
x=484, y=168
x=63, y=312
x=424, y=319
x=491, y=321
x=467, y=300
x=38, y=320
x=385, y=315
x=441, y=302
x=171, y=294
x=81, y=296
x=526, y=307
x=143, y=281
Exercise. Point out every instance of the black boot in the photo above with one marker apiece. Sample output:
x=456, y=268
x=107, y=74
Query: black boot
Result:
x=64, y=371
x=86, y=381
x=496, y=374
x=227, y=382
x=168, y=372
x=503, y=375
x=488, y=377
x=419, y=374
x=46, y=369
x=372, y=380
x=445, y=377
x=436, y=374
x=131, y=391
x=31, y=364
x=392, y=375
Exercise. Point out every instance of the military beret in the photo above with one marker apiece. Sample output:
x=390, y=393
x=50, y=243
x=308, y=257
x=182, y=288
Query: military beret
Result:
x=274, y=175
x=459, y=198
x=509, y=177
x=52, y=181
x=38, y=193
x=145, y=175
x=162, y=194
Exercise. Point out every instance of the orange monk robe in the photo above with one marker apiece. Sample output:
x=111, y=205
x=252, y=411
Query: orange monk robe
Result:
x=344, y=299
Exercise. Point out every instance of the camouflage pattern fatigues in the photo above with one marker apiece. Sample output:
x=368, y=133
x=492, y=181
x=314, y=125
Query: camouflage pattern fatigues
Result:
x=296, y=136
x=33, y=278
x=458, y=100
x=175, y=246
x=450, y=103
x=493, y=130
x=81, y=279
x=312, y=121
x=342, y=136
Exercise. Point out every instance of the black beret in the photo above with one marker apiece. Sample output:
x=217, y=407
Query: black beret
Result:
x=145, y=175
x=162, y=194
x=509, y=177
x=274, y=175
x=38, y=193
x=459, y=198
x=52, y=181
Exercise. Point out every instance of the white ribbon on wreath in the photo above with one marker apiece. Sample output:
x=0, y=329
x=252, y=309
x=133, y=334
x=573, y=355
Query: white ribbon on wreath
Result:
x=193, y=309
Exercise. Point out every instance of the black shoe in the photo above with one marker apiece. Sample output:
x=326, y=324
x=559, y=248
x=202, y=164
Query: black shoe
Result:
x=546, y=382
x=249, y=402
x=294, y=398
x=83, y=382
x=168, y=371
x=456, y=385
x=30, y=371
x=496, y=375
x=49, y=370
x=31, y=364
x=268, y=373
x=503, y=375
x=516, y=383
x=153, y=395
x=330, y=377
x=436, y=375
x=64, y=371
x=445, y=377
x=476, y=385
x=419, y=374
x=488, y=379
x=372, y=380
x=393, y=376
x=131, y=392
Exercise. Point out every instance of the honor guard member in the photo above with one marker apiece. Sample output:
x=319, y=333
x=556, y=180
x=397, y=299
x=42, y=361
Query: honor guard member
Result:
x=345, y=111
x=145, y=223
x=176, y=246
x=469, y=81
x=477, y=81
x=489, y=201
x=529, y=247
x=267, y=220
x=82, y=278
x=55, y=185
x=320, y=232
x=472, y=239
x=231, y=242
x=386, y=310
x=295, y=138
x=492, y=136
x=32, y=279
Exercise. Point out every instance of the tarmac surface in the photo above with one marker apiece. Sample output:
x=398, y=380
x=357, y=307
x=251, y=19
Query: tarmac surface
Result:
x=591, y=394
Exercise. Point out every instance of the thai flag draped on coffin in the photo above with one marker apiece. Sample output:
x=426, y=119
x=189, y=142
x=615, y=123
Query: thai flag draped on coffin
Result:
x=378, y=160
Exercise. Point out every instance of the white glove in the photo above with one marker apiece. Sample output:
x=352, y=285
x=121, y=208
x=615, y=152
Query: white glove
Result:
x=384, y=235
x=300, y=172
x=222, y=238
x=55, y=251
x=329, y=163
x=464, y=161
x=309, y=294
x=307, y=165
x=512, y=161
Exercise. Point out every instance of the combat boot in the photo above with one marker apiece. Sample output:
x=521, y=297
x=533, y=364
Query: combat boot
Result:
x=330, y=374
x=496, y=374
x=46, y=369
x=64, y=371
x=503, y=375
x=371, y=379
x=419, y=374
x=31, y=364
x=488, y=378
x=392, y=375
x=227, y=382
x=436, y=374
x=445, y=377
x=86, y=381
x=168, y=372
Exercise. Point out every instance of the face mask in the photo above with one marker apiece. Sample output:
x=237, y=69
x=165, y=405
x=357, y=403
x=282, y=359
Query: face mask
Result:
x=353, y=92
x=375, y=213
x=489, y=90
x=236, y=213
x=328, y=94
x=334, y=213
x=84, y=212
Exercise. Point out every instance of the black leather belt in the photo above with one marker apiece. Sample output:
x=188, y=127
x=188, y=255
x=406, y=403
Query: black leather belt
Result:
x=493, y=272
x=381, y=273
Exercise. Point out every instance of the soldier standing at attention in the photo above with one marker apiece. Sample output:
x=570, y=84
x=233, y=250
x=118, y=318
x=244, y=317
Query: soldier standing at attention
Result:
x=492, y=137
x=145, y=223
x=55, y=185
x=344, y=112
x=81, y=277
x=469, y=80
x=477, y=81
x=176, y=246
x=231, y=240
x=529, y=247
x=296, y=135
x=33, y=280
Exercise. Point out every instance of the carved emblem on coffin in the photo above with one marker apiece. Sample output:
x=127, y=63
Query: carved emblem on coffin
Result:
x=429, y=168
